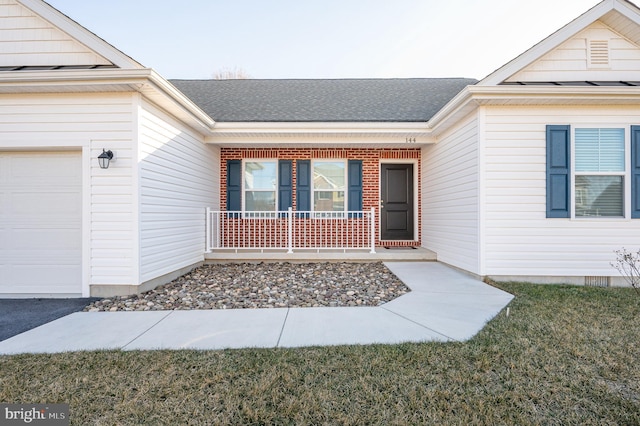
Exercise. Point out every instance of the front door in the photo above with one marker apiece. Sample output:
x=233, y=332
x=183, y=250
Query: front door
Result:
x=396, y=202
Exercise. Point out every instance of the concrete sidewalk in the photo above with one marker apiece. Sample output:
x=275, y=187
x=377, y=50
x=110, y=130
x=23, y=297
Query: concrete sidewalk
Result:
x=444, y=305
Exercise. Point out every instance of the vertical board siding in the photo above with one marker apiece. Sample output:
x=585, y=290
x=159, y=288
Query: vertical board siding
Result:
x=519, y=239
x=569, y=61
x=450, y=225
x=93, y=121
x=179, y=179
x=27, y=39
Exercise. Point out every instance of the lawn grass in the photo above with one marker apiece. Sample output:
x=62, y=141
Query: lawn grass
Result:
x=565, y=355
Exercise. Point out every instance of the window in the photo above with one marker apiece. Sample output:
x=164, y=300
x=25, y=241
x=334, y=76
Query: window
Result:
x=268, y=185
x=592, y=172
x=260, y=184
x=329, y=183
x=599, y=172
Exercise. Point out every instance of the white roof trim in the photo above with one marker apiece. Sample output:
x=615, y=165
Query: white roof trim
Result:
x=563, y=34
x=145, y=81
x=320, y=127
x=471, y=97
x=405, y=133
x=81, y=34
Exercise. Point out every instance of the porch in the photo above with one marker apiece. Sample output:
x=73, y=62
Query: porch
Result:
x=303, y=236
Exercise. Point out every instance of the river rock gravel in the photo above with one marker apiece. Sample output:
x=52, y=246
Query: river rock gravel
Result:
x=266, y=285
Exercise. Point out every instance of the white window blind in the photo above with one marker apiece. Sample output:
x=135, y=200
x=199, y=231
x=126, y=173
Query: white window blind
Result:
x=599, y=150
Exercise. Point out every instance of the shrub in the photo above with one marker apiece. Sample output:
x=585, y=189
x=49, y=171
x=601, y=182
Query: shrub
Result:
x=628, y=263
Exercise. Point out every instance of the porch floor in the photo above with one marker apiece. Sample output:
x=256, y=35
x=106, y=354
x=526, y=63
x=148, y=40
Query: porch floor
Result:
x=397, y=254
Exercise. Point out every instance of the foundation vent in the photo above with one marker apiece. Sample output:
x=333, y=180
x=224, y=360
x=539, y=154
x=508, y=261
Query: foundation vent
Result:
x=597, y=281
x=598, y=53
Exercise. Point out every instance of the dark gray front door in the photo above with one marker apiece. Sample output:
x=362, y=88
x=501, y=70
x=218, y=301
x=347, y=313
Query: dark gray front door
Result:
x=396, y=203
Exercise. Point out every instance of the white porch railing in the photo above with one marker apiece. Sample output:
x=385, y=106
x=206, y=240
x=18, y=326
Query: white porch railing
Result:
x=290, y=230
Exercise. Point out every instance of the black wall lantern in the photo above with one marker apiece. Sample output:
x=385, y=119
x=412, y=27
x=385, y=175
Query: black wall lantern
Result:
x=104, y=158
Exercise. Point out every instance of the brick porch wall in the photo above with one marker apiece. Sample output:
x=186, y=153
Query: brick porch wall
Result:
x=370, y=157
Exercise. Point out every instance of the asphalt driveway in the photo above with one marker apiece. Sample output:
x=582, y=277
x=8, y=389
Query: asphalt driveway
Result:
x=20, y=315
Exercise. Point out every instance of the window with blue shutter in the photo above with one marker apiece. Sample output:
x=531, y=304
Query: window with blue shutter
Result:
x=234, y=185
x=599, y=172
x=635, y=172
x=558, y=171
x=303, y=185
x=285, y=186
x=355, y=185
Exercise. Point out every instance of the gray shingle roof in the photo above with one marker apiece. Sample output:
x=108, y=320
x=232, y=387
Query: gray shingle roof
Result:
x=348, y=100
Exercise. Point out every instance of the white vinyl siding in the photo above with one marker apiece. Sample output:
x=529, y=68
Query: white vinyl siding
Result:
x=27, y=39
x=179, y=179
x=519, y=239
x=574, y=59
x=89, y=122
x=450, y=176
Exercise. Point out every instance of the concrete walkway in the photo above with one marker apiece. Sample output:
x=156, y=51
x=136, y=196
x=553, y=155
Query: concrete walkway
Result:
x=444, y=305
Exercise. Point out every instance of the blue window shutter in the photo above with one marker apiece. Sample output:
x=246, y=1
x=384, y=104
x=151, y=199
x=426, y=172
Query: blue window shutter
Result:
x=558, y=171
x=234, y=185
x=303, y=185
x=355, y=185
x=635, y=172
x=285, y=188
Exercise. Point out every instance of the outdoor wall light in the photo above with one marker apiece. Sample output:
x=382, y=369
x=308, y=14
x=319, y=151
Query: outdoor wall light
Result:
x=104, y=158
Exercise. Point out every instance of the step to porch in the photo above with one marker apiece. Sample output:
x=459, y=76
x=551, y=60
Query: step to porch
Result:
x=398, y=254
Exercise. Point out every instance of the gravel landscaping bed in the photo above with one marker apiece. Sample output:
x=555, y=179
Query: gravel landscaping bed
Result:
x=267, y=285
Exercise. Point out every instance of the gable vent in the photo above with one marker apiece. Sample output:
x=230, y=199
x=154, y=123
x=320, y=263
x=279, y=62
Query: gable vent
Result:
x=598, y=53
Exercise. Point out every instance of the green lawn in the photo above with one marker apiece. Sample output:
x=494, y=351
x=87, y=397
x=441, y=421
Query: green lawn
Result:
x=565, y=355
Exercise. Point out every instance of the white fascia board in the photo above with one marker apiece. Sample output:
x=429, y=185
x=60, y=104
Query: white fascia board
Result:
x=67, y=76
x=145, y=81
x=555, y=39
x=80, y=33
x=414, y=132
x=473, y=96
x=331, y=133
x=554, y=94
x=320, y=127
x=177, y=96
x=459, y=106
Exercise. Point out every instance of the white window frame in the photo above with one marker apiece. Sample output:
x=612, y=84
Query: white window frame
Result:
x=626, y=174
x=244, y=189
x=337, y=214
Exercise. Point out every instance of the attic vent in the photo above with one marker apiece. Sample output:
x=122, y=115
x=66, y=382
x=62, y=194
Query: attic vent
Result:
x=596, y=281
x=598, y=53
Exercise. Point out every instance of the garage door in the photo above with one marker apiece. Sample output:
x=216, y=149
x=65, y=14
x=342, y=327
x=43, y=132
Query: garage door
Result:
x=40, y=223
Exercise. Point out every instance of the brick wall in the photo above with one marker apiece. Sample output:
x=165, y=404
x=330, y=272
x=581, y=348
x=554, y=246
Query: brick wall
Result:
x=371, y=159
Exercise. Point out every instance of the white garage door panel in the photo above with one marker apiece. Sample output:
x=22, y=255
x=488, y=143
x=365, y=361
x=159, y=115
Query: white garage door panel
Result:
x=28, y=279
x=45, y=238
x=40, y=223
x=58, y=204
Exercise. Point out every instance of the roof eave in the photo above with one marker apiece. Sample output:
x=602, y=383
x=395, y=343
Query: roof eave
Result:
x=472, y=97
x=145, y=81
x=399, y=133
